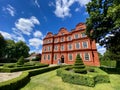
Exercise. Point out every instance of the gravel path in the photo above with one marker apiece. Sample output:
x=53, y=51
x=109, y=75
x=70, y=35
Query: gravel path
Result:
x=8, y=76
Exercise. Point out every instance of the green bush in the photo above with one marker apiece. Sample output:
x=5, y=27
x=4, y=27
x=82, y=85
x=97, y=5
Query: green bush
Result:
x=9, y=65
x=20, y=61
x=41, y=70
x=15, y=69
x=22, y=80
x=78, y=66
x=16, y=83
x=89, y=79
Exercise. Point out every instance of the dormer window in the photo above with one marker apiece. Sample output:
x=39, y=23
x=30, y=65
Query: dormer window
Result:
x=76, y=36
x=62, y=33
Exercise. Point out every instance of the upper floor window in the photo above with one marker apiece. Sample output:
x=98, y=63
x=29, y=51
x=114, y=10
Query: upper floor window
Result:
x=84, y=35
x=44, y=48
x=69, y=38
x=86, y=56
x=77, y=45
x=48, y=48
x=55, y=56
x=70, y=56
x=62, y=47
x=76, y=36
x=62, y=33
x=56, y=40
x=55, y=48
x=44, y=57
x=48, y=57
x=69, y=46
x=85, y=44
x=62, y=39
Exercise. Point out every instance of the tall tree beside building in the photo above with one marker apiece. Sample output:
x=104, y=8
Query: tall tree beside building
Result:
x=2, y=45
x=103, y=24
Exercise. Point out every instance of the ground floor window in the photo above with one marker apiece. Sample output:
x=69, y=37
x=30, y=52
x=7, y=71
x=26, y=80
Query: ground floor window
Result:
x=48, y=57
x=55, y=57
x=44, y=57
x=70, y=56
x=87, y=56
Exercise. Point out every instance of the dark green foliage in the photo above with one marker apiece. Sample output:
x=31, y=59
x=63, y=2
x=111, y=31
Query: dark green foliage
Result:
x=15, y=83
x=78, y=66
x=22, y=80
x=20, y=61
x=2, y=46
x=15, y=69
x=87, y=79
x=104, y=20
x=9, y=65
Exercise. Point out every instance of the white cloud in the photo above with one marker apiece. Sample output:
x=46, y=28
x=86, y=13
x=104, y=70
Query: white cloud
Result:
x=26, y=25
x=38, y=34
x=35, y=42
x=83, y=2
x=101, y=49
x=9, y=9
x=6, y=35
x=77, y=9
x=51, y=4
x=36, y=3
x=62, y=7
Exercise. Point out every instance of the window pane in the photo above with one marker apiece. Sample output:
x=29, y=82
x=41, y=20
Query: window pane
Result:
x=86, y=56
x=70, y=56
x=77, y=45
x=85, y=45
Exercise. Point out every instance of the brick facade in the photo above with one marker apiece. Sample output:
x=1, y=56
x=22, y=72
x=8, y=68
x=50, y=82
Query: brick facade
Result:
x=66, y=45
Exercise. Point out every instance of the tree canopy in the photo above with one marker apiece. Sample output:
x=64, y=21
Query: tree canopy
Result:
x=104, y=20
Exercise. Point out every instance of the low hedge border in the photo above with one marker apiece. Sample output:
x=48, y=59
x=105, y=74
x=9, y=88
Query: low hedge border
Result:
x=24, y=78
x=16, y=83
x=21, y=68
x=83, y=79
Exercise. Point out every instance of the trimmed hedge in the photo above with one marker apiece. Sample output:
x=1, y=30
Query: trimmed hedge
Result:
x=23, y=79
x=83, y=79
x=21, y=68
x=16, y=83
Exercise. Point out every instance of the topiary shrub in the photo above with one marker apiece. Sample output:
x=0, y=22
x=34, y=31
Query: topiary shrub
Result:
x=79, y=66
x=20, y=61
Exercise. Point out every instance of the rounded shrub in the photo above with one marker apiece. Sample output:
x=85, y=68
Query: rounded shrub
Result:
x=79, y=66
x=20, y=61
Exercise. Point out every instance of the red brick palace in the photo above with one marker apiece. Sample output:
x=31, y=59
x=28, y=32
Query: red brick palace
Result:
x=66, y=45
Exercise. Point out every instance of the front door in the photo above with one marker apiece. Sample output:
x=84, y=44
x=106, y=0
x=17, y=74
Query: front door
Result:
x=62, y=59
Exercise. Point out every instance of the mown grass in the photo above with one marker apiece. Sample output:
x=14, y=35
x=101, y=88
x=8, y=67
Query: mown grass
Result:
x=49, y=81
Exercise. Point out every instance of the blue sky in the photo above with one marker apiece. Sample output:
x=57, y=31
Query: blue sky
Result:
x=30, y=20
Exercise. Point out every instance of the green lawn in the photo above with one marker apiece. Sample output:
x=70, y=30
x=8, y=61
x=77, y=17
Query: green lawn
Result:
x=49, y=81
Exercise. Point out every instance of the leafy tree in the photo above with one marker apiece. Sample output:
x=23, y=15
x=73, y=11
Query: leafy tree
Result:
x=104, y=20
x=22, y=49
x=2, y=45
x=10, y=49
x=20, y=61
x=79, y=67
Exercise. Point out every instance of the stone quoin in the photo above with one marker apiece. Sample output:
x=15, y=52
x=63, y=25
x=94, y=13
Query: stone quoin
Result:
x=66, y=45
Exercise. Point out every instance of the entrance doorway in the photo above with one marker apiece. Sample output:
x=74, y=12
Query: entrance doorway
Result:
x=62, y=59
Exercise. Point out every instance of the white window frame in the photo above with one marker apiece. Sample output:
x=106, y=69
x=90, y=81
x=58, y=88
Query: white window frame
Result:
x=69, y=45
x=48, y=57
x=83, y=45
x=84, y=35
x=55, y=56
x=69, y=38
x=88, y=55
x=55, y=48
x=49, y=48
x=76, y=45
x=75, y=36
x=62, y=39
x=69, y=57
x=56, y=40
x=44, y=57
x=62, y=47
